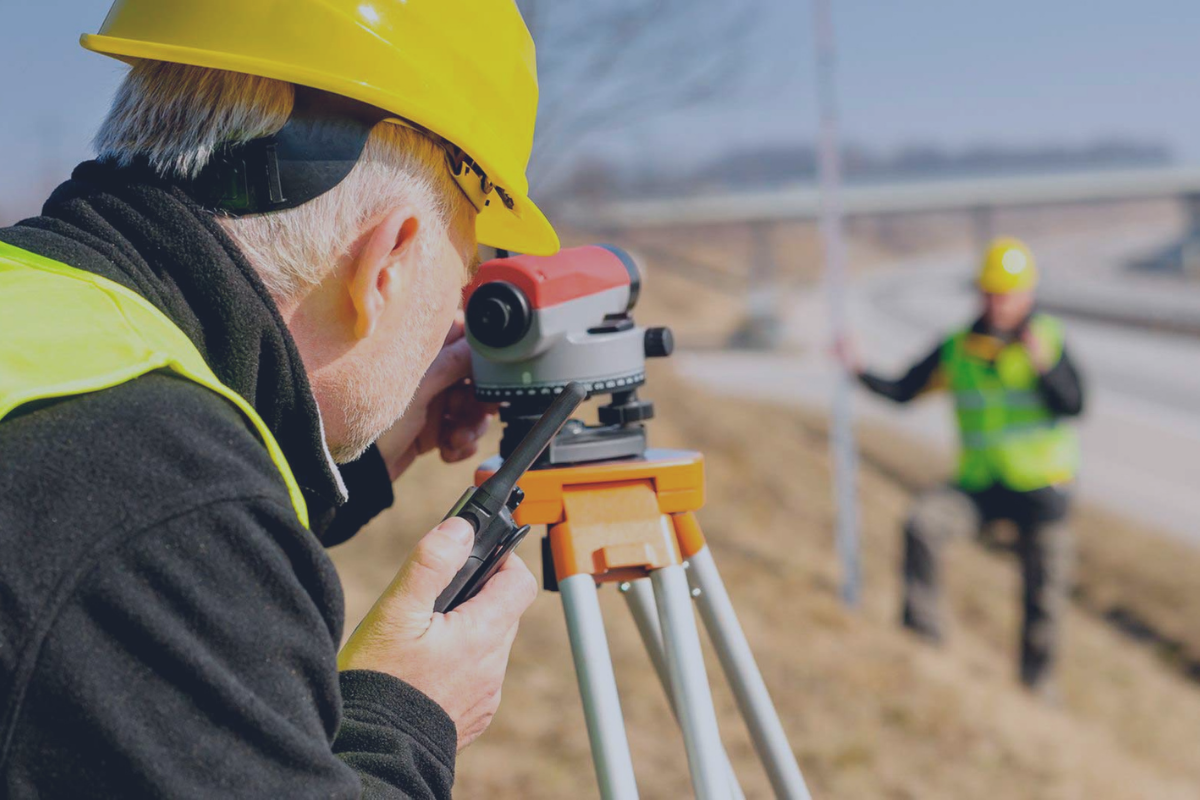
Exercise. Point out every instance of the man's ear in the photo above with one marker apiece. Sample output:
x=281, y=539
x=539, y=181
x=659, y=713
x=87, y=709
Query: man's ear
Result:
x=379, y=265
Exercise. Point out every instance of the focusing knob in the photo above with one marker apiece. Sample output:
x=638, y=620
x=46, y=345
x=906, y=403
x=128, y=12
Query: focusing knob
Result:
x=498, y=314
x=660, y=343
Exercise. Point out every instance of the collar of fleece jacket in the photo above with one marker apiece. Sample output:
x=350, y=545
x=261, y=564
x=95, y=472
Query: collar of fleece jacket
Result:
x=130, y=227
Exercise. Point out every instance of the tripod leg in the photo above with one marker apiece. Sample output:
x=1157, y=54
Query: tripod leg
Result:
x=639, y=595
x=748, y=686
x=598, y=688
x=689, y=683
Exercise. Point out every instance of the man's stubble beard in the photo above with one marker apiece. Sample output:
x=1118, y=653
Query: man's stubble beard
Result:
x=380, y=391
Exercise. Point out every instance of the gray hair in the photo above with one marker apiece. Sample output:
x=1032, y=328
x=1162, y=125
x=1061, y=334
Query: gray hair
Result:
x=176, y=115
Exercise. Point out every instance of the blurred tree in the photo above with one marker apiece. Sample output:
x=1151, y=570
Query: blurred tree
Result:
x=604, y=64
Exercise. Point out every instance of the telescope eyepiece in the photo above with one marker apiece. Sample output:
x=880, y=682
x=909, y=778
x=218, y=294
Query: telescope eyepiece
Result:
x=498, y=314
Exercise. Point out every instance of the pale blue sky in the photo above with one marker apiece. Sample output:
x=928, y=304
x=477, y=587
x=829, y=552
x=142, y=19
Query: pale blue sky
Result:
x=950, y=72
x=961, y=72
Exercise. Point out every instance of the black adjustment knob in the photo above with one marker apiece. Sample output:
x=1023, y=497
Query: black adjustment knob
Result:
x=660, y=343
x=627, y=414
x=515, y=498
x=498, y=314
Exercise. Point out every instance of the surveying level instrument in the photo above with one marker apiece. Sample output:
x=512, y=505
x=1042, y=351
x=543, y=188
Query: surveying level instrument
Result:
x=616, y=511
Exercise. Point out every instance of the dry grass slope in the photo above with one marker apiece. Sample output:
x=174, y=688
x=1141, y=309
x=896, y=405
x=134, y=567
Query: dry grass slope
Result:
x=871, y=712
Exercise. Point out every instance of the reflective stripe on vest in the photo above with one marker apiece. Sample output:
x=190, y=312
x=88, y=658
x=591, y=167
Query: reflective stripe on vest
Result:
x=1012, y=398
x=64, y=331
x=1007, y=433
x=979, y=440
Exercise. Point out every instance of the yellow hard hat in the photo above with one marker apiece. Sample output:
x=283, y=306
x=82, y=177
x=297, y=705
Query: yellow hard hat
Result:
x=461, y=69
x=1008, y=266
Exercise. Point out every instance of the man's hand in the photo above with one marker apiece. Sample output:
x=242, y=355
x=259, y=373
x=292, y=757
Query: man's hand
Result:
x=444, y=413
x=1039, y=353
x=458, y=659
x=846, y=353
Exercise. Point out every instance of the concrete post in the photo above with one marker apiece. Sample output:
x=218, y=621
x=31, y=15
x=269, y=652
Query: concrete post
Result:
x=1189, y=249
x=983, y=227
x=761, y=327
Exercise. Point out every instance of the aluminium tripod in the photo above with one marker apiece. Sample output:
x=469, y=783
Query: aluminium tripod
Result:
x=632, y=522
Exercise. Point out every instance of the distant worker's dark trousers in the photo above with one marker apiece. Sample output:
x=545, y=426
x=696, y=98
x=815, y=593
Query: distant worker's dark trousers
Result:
x=1043, y=546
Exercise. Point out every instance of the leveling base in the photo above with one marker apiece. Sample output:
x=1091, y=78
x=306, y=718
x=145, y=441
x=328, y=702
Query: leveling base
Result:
x=632, y=522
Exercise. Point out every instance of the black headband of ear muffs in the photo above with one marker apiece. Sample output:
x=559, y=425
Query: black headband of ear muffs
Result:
x=313, y=152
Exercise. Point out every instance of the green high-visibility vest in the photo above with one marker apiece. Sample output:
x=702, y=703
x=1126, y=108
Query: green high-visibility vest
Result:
x=1007, y=434
x=64, y=332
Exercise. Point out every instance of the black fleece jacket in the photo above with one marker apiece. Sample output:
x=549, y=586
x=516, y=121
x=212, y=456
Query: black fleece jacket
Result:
x=167, y=627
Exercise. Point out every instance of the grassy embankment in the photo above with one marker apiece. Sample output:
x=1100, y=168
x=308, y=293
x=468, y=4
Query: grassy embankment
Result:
x=870, y=711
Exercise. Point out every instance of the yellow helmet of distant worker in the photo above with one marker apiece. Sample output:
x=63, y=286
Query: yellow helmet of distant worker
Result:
x=461, y=69
x=1008, y=266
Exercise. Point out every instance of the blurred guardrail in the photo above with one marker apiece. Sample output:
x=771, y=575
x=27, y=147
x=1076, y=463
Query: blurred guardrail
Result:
x=978, y=198
x=1150, y=304
x=802, y=201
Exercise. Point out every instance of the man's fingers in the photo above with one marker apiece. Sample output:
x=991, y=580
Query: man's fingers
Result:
x=504, y=598
x=430, y=434
x=464, y=433
x=458, y=329
x=452, y=365
x=430, y=567
x=454, y=456
x=511, y=636
x=465, y=419
x=464, y=422
x=461, y=402
x=460, y=438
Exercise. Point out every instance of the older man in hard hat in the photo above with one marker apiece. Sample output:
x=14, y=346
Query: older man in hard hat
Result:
x=220, y=343
x=1014, y=386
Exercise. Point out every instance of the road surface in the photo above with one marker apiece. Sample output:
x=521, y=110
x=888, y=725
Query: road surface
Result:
x=1141, y=432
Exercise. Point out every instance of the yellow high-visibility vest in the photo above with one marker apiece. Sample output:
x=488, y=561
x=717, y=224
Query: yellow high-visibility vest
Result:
x=1008, y=435
x=64, y=332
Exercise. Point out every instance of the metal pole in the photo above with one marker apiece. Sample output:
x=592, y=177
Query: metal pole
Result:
x=598, y=688
x=639, y=595
x=689, y=683
x=1189, y=247
x=744, y=677
x=841, y=432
